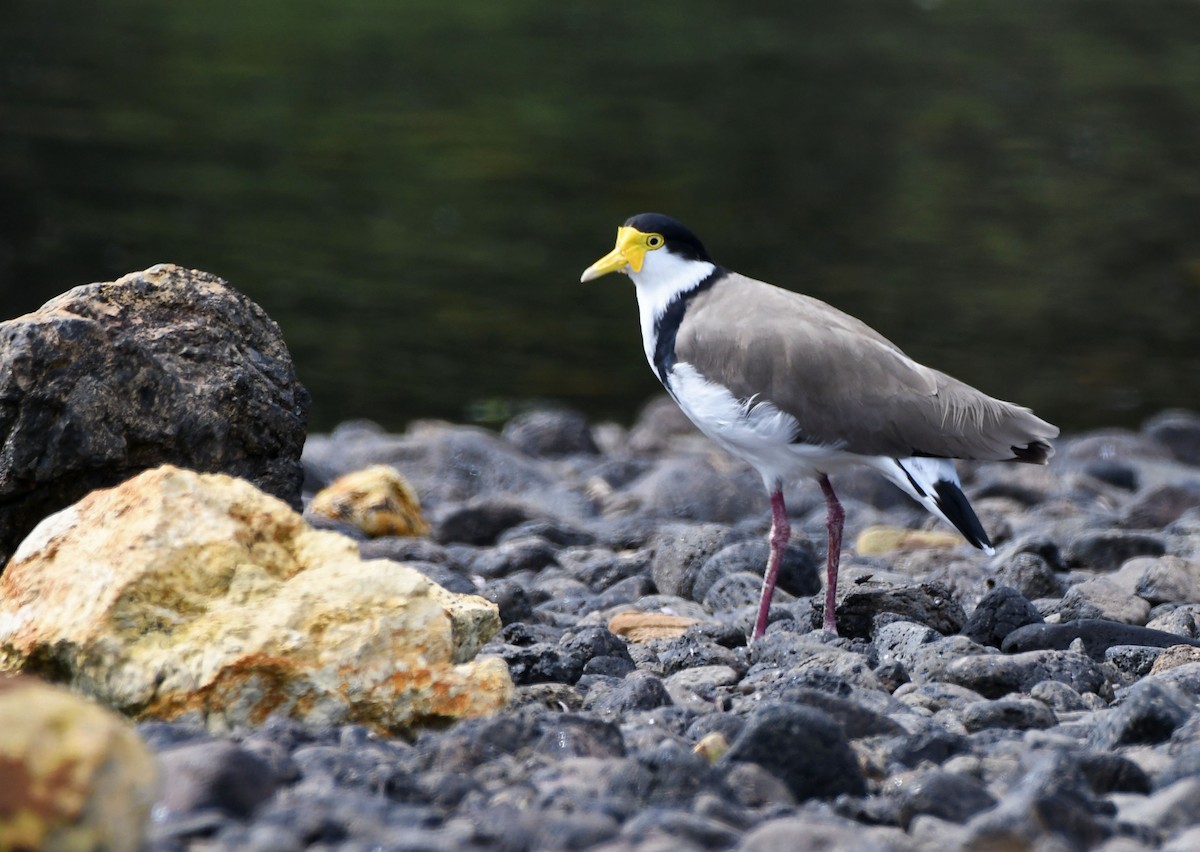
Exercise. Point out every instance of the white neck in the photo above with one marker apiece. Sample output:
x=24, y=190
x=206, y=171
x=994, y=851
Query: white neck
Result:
x=663, y=277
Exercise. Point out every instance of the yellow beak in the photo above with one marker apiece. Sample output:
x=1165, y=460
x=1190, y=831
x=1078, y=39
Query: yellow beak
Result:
x=630, y=251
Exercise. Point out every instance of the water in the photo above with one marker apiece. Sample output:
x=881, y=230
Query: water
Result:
x=1010, y=191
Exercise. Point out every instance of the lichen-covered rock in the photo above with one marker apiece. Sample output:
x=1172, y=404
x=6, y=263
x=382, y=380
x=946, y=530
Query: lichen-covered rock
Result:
x=72, y=774
x=168, y=365
x=377, y=500
x=182, y=594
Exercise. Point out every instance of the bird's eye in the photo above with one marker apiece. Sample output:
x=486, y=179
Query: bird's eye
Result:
x=654, y=241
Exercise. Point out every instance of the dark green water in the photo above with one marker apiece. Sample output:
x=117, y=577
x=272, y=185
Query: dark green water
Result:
x=1010, y=191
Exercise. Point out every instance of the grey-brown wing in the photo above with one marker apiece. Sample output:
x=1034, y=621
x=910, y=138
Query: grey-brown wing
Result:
x=845, y=384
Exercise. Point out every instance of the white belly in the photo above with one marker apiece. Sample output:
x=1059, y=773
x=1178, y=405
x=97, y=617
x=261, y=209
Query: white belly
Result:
x=756, y=431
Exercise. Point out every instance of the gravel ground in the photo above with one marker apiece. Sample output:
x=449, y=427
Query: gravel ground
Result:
x=1044, y=698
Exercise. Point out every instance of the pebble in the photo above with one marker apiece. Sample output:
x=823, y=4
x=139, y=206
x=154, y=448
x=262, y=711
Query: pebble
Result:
x=805, y=748
x=1014, y=701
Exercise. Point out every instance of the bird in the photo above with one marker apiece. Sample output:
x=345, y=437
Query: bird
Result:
x=802, y=391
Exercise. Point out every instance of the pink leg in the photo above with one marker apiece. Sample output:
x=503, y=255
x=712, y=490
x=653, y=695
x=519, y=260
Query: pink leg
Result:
x=835, y=516
x=781, y=531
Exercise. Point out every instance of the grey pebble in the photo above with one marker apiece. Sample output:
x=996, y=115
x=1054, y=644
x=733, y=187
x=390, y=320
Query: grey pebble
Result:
x=1002, y=611
x=805, y=748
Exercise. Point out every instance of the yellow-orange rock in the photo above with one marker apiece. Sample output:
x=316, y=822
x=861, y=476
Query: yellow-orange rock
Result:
x=72, y=774
x=639, y=626
x=1175, y=656
x=185, y=594
x=377, y=500
x=878, y=540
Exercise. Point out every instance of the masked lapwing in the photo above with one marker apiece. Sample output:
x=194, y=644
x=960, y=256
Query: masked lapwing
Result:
x=801, y=390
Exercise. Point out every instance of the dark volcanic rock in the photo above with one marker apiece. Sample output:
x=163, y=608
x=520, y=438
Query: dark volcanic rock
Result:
x=804, y=747
x=551, y=433
x=1150, y=713
x=680, y=551
x=1107, y=550
x=1011, y=713
x=946, y=795
x=693, y=489
x=1001, y=612
x=215, y=774
x=799, y=573
x=994, y=676
x=1160, y=506
x=1030, y=575
x=163, y=366
x=1179, y=432
x=1097, y=637
x=481, y=521
x=1052, y=798
x=928, y=603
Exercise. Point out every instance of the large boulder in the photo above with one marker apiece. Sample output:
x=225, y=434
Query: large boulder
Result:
x=72, y=774
x=178, y=594
x=168, y=365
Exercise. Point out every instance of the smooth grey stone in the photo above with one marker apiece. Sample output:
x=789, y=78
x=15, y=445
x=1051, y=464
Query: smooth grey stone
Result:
x=1097, y=636
x=1163, y=579
x=1103, y=599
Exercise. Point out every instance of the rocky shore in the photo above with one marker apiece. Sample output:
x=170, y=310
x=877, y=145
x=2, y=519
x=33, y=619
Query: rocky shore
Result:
x=1045, y=698
x=579, y=676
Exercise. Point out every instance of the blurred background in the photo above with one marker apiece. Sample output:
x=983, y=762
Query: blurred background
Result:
x=1008, y=190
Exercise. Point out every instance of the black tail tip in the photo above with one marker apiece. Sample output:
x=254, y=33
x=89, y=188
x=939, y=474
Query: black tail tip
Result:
x=954, y=506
